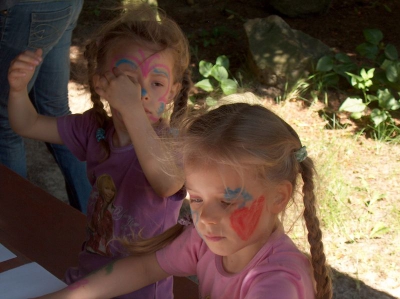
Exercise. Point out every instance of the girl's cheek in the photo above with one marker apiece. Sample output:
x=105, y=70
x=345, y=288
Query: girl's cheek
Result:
x=245, y=220
x=161, y=108
x=196, y=217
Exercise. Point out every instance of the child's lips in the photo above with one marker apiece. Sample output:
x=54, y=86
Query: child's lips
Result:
x=213, y=238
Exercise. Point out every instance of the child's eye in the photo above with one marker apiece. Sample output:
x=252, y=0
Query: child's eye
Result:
x=227, y=203
x=196, y=200
x=158, y=84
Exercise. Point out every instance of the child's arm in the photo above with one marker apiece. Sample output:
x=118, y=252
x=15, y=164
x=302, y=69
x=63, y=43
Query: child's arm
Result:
x=125, y=97
x=23, y=117
x=118, y=278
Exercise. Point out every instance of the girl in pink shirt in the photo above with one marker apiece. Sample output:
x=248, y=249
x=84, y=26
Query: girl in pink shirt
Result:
x=242, y=164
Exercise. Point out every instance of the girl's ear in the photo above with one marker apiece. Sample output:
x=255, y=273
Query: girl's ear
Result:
x=283, y=193
x=175, y=89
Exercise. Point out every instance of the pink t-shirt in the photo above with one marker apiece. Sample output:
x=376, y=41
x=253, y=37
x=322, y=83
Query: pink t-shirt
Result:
x=122, y=202
x=278, y=271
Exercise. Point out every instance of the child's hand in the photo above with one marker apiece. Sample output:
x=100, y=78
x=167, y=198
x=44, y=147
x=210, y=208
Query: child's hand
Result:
x=22, y=69
x=120, y=91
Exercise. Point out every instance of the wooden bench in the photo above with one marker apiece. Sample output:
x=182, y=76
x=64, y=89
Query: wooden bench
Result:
x=38, y=227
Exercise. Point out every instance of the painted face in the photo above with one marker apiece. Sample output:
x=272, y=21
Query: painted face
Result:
x=153, y=71
x=230, y=213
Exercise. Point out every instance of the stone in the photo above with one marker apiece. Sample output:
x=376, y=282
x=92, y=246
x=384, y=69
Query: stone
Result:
x=279, y=54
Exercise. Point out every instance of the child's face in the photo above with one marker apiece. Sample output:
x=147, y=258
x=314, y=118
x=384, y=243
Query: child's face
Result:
x=153, y=71
x=233, y=215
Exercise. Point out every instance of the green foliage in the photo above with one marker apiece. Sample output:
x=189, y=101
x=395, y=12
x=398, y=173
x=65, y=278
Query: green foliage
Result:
x=216, y=77
x=208, y=37
x=374, y=84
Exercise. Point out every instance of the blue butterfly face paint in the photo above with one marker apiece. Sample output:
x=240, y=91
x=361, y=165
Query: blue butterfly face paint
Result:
x=161, y=108
x=238, y=194
x=127, y=61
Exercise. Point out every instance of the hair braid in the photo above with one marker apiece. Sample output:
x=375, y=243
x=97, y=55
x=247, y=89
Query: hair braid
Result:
x=321, y=273
x=98, y=106
x=180, y=102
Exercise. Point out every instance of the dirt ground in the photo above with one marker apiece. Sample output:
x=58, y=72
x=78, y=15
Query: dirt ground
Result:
x=216, y=28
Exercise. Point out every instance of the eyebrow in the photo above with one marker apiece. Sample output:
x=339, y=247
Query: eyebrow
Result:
x=127, y=61
x=219, y=195
x=159, y=72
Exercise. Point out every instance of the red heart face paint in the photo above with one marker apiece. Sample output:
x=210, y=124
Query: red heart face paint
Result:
x=244, y=220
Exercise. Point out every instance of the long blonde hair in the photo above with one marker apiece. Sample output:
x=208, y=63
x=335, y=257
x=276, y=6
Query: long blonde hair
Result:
x=233, y=133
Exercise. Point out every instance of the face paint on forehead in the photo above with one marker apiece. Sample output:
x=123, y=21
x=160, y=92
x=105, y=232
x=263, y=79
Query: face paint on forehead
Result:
x=141, y=62
x=245, y=220
x=130, y=60
x=157, y=71
x=238, y=194
x=126, y=61
x=146, y=65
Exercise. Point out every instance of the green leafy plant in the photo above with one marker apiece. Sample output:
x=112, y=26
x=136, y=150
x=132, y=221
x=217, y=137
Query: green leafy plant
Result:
x=210, y=37
x=375, y=83
x=216, y=76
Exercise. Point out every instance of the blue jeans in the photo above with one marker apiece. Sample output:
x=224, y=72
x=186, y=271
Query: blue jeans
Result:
x=48, y=25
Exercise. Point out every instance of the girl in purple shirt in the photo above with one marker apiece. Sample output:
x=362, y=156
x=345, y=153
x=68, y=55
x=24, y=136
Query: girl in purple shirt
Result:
x=242, y=164
x=139, y=65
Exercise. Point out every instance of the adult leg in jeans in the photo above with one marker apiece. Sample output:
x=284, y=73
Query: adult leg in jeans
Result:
x=50, y=28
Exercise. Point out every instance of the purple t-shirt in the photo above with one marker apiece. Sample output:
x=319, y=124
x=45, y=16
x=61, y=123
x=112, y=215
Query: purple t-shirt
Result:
x=122, y=202
x=279, y=270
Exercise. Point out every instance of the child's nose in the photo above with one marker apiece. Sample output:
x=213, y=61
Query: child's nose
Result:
x=209, y=214
x=144, y=94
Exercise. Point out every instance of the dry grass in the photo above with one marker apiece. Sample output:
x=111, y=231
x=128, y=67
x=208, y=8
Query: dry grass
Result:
x=359, y=201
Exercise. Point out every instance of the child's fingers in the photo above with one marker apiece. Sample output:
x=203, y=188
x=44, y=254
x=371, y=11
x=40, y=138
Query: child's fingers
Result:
x=109, y=76
x=39, y=52
x=26, y=61
x=22, y=65
x=30, y=57
x=22, y=68
x=117, y=72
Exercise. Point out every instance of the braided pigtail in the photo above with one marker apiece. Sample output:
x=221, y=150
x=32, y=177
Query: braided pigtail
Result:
x=150, y=245
x=100, y=113
x=181, y=100
x=318, y=260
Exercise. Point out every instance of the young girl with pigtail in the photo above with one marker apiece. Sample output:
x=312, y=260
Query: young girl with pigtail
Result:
x=139, y=65
x=242, y=164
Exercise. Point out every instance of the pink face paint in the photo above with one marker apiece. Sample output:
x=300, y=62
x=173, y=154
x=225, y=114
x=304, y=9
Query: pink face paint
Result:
x=146, y=66
x=244, y=220
x=78, y=284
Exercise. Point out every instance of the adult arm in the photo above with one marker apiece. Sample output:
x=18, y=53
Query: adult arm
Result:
x=23, y=118
x=118, y=278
